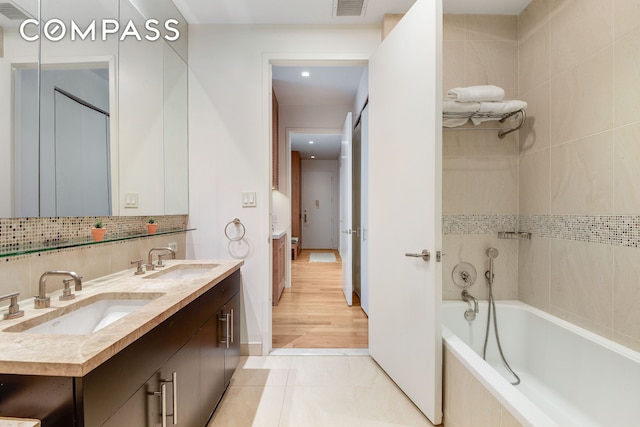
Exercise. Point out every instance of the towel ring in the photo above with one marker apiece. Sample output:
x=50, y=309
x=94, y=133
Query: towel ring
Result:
x=235, y=222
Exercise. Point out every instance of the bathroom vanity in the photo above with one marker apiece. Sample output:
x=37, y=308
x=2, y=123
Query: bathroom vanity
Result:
x=167, y=362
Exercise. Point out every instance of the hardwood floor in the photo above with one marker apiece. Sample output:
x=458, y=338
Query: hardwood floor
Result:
x=313, y=312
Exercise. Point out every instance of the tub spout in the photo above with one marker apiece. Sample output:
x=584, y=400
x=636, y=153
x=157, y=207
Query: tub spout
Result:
x=470, y=314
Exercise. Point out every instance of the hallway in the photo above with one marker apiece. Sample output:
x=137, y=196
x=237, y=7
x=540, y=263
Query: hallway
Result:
x=313, y=312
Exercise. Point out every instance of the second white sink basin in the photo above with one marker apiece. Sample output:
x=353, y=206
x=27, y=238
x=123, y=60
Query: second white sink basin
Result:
x=87, y=317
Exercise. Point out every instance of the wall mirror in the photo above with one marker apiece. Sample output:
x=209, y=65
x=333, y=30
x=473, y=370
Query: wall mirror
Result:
x=93, y=127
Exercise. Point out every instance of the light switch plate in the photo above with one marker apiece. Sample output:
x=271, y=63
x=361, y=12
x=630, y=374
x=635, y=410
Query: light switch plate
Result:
x=249, y=199
x=130, y=200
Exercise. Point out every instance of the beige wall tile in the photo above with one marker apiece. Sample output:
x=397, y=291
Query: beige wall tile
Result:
x=505, y=283
x=493, y=62
x=533, y=272
x=532, y=17
x=581, y=278
x=626, y=171
x=626, y=292
x=580, y=99
x=534, y=183
x=626, y=63
x=626, y=16
x=577, y=31
x=453, y=58
x=467, y=403
x=534, y=135
x=16, y=278
x=492, y=185
x=453, y=247
x=534, y=60
x=508, y=420
x=453, y=27
x=492, y=27
x=581, y=176
x=453, y=185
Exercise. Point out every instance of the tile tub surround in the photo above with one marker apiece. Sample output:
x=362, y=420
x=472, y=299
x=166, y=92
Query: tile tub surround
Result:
x=67, y=355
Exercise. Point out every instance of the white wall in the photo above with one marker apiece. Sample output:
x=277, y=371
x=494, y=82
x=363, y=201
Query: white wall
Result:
x=229, y=145
x=299, y=117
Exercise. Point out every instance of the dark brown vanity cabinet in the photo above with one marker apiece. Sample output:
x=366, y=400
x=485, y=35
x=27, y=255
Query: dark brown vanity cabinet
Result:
x=177, y=371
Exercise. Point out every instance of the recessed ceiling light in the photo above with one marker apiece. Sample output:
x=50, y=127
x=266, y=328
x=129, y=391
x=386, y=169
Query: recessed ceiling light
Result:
x=305, y=74
x=313, y=157
x=310, y=142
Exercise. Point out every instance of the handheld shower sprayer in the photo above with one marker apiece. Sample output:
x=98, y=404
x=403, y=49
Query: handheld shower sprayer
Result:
x=492, y=253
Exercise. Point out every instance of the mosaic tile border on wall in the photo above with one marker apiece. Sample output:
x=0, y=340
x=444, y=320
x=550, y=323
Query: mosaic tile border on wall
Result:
x=616, y=230
x=18, y=233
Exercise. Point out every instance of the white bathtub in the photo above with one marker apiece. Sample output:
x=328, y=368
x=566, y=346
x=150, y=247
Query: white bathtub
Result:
x=570, y=376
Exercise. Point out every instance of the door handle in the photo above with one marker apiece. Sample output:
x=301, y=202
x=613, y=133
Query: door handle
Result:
x=163, y=402
x=425, y=255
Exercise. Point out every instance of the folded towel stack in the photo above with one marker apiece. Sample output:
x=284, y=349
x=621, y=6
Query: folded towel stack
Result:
x=476, y=93
x=487, y=100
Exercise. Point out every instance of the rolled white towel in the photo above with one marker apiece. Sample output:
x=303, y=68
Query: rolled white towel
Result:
x=476, y=93
x=498, y=108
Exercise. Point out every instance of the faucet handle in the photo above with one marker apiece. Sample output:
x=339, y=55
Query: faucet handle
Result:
x=139, y=269
x=160, y=264
x=14, y=309
x=66, y=293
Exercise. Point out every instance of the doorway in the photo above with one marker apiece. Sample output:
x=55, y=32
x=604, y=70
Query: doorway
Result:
x=305, y=121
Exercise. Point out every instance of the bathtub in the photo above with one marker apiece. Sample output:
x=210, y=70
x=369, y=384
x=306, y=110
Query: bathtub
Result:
x=569, y=376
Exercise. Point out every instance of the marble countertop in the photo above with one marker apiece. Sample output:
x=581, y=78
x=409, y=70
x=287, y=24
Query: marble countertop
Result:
x=18, y=422
x=278, y=234
x=28, y=353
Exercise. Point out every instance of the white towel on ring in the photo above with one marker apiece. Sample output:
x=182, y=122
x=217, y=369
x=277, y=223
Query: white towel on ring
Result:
x=476, y=93
x=449, y=106
x=498, y=108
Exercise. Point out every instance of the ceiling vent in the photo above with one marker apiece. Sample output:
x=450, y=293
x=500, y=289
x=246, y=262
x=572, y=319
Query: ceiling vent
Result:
x=12, y=12
x=349, y=7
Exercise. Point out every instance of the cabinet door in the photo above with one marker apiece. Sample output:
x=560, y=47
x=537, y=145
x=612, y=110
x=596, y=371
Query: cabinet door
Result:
x=181, y=374
x=212, y=348
x=232, y=350
x=142, y=409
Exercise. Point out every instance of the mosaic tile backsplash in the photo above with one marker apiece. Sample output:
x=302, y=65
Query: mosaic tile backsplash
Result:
x=22, y=233
x=617, y=230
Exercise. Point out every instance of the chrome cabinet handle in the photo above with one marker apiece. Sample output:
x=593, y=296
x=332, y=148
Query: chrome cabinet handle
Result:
x=231, y=322
x=163, y=398
x=225, y=319
x=174, y=381
x=425, y=255
x=228, y=316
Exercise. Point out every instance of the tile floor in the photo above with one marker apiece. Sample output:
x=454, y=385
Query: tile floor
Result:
x=313, y=390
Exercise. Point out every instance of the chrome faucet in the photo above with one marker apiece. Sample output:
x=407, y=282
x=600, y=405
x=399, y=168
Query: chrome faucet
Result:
x=470, y=314
x=150, y=265
x=42, y=300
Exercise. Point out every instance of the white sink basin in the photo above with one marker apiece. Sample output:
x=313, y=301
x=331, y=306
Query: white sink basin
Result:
x=183, y=271
x=86, y=317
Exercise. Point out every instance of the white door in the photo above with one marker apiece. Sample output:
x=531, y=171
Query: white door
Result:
x=346, y=187
x=405, y=143
x=317, y=210
x=364, y=210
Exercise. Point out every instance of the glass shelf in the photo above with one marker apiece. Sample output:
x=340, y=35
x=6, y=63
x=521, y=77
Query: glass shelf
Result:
x=53, y=245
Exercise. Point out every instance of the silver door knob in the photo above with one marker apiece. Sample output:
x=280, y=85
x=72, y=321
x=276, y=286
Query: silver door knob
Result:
x=425, y=255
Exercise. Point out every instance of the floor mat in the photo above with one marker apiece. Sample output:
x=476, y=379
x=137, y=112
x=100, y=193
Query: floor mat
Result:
x=322, y=257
